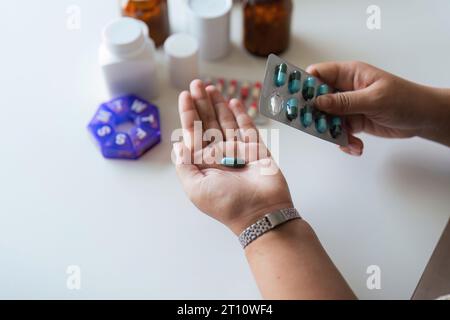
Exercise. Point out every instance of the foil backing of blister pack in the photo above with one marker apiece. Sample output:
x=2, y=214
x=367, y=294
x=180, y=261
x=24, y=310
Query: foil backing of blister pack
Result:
x=270, y=89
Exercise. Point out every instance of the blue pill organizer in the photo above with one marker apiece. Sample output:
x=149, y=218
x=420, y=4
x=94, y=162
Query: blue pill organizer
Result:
x=116, y=143
x=288, y=96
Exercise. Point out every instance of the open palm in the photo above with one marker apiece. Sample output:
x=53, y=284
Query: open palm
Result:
x=236, y=197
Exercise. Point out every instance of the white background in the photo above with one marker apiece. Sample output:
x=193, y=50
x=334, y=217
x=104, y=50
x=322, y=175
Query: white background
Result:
x=129, y=226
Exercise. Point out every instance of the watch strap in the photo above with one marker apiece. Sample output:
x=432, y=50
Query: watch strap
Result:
x=267, y=223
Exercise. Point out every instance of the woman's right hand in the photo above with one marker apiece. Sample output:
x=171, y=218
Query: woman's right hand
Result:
x=379, y=103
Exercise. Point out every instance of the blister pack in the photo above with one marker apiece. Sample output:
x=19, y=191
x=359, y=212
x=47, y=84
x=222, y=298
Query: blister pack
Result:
x=248, y=92
x=288, y=95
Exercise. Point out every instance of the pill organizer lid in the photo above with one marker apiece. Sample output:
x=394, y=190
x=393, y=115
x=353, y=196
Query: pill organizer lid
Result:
x=208, y=9
x=125, y=35
x=181, y=45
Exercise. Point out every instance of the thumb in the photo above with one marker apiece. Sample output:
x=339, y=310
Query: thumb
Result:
x=343, y=103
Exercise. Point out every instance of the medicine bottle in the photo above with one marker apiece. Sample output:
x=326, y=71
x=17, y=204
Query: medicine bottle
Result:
x=267, y=26
x=154, y=13
x=127, y=59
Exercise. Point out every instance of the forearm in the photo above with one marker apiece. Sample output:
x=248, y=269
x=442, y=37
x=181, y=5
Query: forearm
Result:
x=436, y=114
x=290, y=263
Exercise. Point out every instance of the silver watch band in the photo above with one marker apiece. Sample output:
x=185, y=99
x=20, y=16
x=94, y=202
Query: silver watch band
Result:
x=267, y=223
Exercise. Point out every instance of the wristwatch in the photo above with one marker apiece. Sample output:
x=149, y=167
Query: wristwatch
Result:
x=267, y=223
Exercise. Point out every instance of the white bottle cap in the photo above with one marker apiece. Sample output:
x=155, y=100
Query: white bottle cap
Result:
x=182, y=55
x=209, y=22
x=125, y=36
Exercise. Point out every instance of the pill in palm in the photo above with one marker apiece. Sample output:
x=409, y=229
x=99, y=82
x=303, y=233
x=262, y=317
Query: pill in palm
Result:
x=233, y=162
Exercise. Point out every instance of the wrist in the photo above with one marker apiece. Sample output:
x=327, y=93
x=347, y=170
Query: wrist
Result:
x=238, y=225
x=436, y=114
x=289, y=234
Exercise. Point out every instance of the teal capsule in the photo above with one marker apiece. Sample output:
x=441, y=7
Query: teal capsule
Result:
x=321, y=118
x=306, y=116
x=294, y=82
x=233, y=162
x=292, y=109
x=323, y=89
x=321, y=122
x=308, y=88
x=336, y=127
x=280, y=74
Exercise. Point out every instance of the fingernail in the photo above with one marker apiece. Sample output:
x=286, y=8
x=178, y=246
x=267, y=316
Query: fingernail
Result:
x=354, y=150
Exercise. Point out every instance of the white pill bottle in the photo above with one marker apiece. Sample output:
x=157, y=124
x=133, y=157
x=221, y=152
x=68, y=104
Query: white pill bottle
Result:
x=127, y=59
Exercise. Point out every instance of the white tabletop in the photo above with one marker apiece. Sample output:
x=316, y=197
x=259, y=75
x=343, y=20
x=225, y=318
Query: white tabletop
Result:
x=128, y=224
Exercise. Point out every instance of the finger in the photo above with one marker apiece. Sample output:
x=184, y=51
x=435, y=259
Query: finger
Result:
x=188, y=115
x=339, y=75
x=188, y=173
x=355, y=146
x=356, y=123
x=345, y=103
x=248, y=131
x=249, y=152
x=224, y=115
x=203, y=104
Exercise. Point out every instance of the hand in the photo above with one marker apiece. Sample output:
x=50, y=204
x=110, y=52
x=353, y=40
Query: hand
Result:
x=380, y=103
x=235, y=197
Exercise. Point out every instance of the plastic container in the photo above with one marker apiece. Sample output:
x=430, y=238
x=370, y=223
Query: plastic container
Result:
x=154, y=13
x=182, y=59
x=267, y=26
x=126, y=57
x=209, y=22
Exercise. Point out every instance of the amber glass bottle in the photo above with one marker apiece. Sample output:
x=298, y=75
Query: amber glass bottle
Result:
x=267, y=26
x=154, y=13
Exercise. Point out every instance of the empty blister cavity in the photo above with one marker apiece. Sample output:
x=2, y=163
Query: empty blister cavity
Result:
x=276, y=104
x=292, y=109
x=294, y=82
x=280, y=75
x=308, y=88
